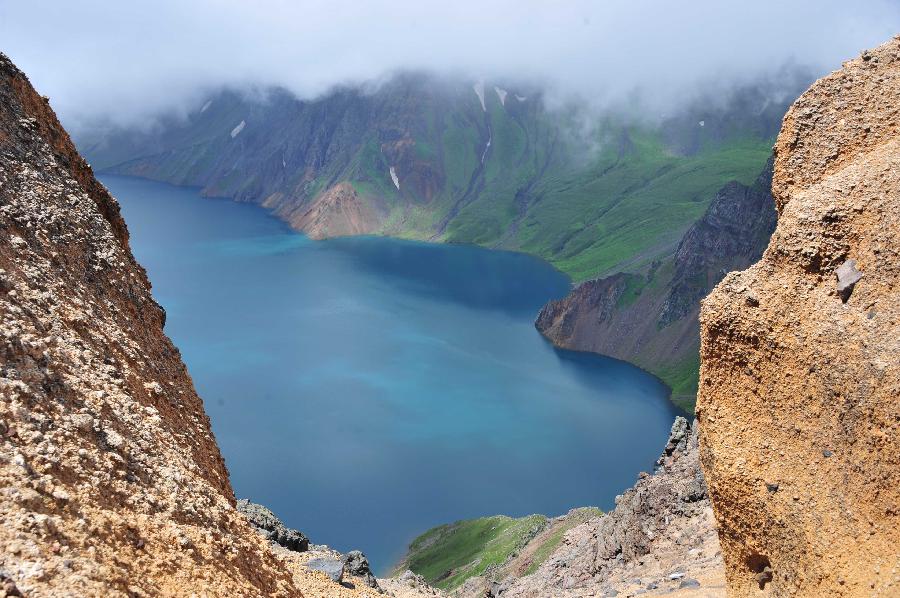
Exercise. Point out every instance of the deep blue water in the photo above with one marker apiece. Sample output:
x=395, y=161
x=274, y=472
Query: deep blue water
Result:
x=366, y=389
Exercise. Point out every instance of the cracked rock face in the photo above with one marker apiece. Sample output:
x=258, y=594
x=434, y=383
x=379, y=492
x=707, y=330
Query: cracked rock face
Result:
x=799, y=401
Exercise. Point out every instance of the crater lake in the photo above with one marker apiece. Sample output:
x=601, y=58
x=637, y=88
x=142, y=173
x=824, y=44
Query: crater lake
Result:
x=366, y=389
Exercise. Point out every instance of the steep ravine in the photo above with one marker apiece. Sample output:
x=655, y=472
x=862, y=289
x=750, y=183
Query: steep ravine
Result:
x=799, y=403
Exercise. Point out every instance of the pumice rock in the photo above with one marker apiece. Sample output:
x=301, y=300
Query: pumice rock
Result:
x=798, y=404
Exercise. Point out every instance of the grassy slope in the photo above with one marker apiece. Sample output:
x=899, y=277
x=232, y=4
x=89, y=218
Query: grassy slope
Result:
x=448, y=555
x=589, y=225
x=592, y=218
x=683, y=378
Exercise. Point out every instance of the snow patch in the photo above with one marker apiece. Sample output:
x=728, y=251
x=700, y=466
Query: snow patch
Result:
x=206, y=106
x=479, y=91
x=501, y=93
x=521, y=98
x=237, y=130
x=394, y=178
x=487, y=147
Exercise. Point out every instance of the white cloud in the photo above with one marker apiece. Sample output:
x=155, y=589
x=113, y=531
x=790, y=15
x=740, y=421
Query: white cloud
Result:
x=130, y=60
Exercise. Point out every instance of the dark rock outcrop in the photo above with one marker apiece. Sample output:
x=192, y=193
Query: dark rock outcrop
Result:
x=731, y=234
x=651, y=320
x=357, y=565
x=271, y=528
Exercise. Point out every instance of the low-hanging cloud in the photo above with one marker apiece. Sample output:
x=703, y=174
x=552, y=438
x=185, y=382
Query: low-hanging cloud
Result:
x=128, y=61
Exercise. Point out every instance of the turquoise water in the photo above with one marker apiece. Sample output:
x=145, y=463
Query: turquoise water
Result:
x=366, y=389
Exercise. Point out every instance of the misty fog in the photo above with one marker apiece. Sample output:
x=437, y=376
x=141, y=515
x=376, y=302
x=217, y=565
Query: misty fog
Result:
x=128, y=62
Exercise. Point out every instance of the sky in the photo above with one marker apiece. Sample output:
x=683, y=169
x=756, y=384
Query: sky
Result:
x=128, y=61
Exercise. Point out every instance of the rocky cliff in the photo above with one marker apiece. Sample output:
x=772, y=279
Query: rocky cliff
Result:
x=652, y=319
x=111, y=483
x=800, y=358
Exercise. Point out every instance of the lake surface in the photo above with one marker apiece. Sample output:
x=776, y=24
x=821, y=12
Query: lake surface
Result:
x=366, y=389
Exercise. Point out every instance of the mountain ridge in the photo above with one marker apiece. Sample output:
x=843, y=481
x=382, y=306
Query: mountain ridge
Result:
x=431, y=159
x=428, y=159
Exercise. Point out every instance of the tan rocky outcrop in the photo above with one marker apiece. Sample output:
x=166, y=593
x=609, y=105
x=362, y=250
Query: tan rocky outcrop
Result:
x=799, y=401
x=337, y=212
x=111, y=483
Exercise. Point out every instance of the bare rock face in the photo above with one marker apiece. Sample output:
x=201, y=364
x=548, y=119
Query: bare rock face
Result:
x=271, y=528
x=337, y=212
x=111, y=483
x=799, y=401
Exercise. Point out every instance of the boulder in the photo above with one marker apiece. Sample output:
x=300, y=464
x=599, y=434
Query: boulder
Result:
x=357, y=565
x=333, y=568
x=268, y=525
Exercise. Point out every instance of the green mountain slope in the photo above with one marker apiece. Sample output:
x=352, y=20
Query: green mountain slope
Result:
x=448, y=555
x=509, y=173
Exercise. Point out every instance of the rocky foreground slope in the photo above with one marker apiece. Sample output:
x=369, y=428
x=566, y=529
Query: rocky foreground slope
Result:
x=799, y=402
x=111, y=480
x=659, y=540
x=111, y=483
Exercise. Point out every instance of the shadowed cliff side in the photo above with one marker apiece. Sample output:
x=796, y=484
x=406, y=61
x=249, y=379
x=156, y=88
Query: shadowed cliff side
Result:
x=800, y=360
x=651, y=319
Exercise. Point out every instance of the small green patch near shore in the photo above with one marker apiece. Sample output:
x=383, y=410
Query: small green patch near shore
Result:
x=448, y=555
